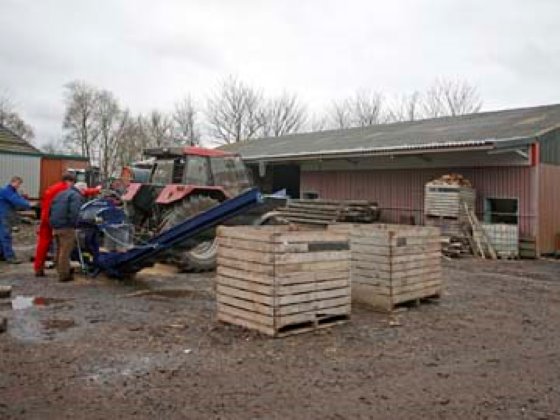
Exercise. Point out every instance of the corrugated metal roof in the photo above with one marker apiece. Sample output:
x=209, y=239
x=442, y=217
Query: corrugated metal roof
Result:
x=468, y=131
x=11, y=142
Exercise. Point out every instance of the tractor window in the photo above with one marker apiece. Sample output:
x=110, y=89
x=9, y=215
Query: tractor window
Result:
x=230, y=172
x=197, y=171
x=163, y=172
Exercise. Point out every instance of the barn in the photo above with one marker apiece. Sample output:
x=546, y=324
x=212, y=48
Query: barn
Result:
x=512, y=158
x=38, y=170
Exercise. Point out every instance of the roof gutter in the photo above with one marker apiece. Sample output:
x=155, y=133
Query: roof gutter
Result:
x=469, y=145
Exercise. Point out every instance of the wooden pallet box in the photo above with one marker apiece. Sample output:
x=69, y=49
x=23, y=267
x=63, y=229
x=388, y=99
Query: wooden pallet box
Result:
x=447, y=200
x=282, y=280
x=393, y=264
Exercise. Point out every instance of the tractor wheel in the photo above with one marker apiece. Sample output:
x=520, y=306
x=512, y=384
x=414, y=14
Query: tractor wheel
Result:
x=202, y=256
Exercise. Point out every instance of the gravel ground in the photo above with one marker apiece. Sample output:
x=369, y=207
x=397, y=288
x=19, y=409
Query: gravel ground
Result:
x=98, y=348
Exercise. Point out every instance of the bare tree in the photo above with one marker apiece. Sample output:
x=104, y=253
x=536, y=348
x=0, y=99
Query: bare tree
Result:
x=406, y=108
x=363, y=109
x=366, y=108
x=450, y=98
x=340, y=114
x=185, y=122
x=157, y=128
x=282, y=115
x=234, y=111
x=111, y=122
x=79, y=123
x=133, y=141
x=11, y=119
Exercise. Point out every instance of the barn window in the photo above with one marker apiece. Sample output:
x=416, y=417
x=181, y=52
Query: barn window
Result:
x=501, y=210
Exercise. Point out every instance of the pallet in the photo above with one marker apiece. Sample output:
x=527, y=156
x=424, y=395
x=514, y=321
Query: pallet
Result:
x=282, y=280
x=393, y=264
x=324, y=212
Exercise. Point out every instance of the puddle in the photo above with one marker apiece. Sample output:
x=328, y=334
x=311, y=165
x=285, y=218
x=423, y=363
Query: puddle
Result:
x=25, y=302
x=129, y=366
x=22, y=302
x=28, y=320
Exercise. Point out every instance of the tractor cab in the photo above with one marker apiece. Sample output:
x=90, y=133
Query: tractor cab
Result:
x=196, y=166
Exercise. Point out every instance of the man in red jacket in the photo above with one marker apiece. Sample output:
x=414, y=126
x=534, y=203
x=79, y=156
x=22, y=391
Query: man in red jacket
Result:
x=45, y=231
x=45, y=234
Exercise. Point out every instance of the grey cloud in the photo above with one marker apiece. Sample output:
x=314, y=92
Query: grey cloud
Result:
x=151, y=53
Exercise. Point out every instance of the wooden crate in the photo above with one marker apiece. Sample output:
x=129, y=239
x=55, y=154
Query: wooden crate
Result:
x=393, y=264
x=447, y=201
x=282, y=280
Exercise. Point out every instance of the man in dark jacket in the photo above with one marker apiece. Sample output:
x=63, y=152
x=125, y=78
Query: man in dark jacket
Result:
x=63, y=218
x=10, y=202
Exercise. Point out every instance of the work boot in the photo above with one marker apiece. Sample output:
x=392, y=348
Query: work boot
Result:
x=40, y=273
x=13, y=260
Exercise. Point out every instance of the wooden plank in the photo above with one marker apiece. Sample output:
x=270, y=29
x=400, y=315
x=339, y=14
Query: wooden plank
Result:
x=281, y=289
x=390, y=282
x=252, y=296
x=245, y=314
x=396, y=275
x=307, y=277
x=244, y=255
x=394, y=251
x=397, y=241
x=389, y=260
x=307, y=236
x=368, y=231
x=292, y=289
x=241, y=274
x=314, y=306
x=267, y=269
x=291, y=258
x=247, y=305
x=243, y=232
x=243, y=284
x=283, y=269
x=395, y=290
x=402, y=266
x=313, y=296
x=268, y=247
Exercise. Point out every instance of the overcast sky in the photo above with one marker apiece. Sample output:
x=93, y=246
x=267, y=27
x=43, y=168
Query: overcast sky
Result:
x=151, y=53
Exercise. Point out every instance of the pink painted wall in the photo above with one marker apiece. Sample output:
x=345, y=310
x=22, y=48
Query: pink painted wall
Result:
x=400, y=193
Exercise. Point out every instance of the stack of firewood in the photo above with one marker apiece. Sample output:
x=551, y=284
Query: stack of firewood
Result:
x=324, y=212
x=452, y=179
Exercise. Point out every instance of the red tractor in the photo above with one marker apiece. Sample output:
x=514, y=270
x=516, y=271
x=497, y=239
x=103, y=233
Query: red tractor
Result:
x=180, y=183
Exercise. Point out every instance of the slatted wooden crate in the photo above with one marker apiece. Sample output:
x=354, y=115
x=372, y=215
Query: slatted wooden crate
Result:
x=393, y=264
x=282, y=280
x=447, y=200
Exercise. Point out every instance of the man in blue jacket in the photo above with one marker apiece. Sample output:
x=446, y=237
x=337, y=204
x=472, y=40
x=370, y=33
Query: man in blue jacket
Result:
x=65, y=209
x=10, y=202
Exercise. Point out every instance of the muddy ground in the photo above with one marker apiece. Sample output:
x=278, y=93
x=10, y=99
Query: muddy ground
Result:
x=98, y=348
